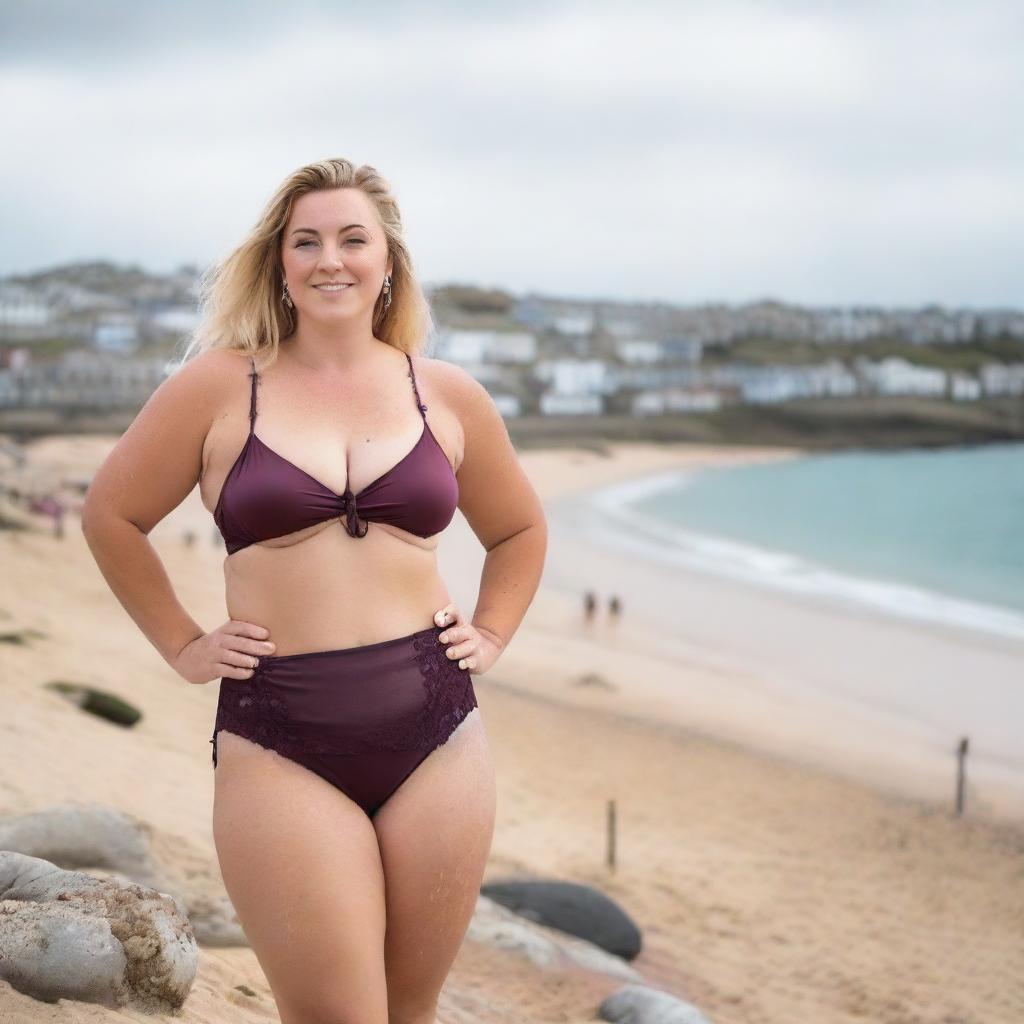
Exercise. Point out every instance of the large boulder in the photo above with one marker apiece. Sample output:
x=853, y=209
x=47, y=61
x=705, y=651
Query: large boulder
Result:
x=66, y=934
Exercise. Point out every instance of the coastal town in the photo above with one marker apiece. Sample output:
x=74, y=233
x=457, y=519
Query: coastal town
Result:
x=97, y=336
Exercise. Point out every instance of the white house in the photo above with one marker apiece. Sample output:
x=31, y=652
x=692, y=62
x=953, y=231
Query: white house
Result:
x=461, y=347
x=1002, y=378
x=964, y=387
x=478, y=346
x=638, y=350
x=177, y=319
x=669, y=400
x=896, y=376
x=575, y=376
x=24, y=315
x=553, y=403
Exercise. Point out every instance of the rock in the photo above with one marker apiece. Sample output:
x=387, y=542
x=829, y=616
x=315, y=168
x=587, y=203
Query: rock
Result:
x=97, y=702
x=214, y=921
x=21, y=637
x=499, y=928
x=638, y=1004
x=573, y=908
x=106, y=839
x=65, y=934
x=83, y=837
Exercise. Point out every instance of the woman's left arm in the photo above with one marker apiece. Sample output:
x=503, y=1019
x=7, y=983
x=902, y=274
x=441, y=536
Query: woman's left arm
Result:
x=501, y=507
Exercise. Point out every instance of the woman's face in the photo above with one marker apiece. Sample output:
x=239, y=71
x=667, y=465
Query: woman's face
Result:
x=335, y=236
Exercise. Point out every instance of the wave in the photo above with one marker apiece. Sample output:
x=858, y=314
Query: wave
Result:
x=610, y=516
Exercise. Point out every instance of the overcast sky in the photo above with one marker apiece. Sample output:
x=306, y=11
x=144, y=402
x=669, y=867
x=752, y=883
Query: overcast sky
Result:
x=813, y=152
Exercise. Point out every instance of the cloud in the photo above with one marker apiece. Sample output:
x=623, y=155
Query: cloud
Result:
x=860, y=152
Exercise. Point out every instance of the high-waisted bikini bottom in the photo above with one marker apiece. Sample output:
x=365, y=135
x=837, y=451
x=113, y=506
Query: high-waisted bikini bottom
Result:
x=363, y=718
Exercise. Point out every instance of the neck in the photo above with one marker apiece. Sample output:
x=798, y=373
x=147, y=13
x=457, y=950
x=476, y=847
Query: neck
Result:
x=335, y=347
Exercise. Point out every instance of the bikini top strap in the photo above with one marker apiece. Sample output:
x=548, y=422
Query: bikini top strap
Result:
x=412, y=374
x=252, y=400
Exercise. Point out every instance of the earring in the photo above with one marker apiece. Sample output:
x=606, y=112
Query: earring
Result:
x=286, y=297
x=387, y=291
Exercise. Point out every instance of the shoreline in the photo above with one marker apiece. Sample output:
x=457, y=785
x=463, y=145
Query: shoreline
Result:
x=740, y=667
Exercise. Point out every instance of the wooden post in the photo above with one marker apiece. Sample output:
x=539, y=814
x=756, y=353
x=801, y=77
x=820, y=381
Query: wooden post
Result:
x=961, y=758
x=611, y=835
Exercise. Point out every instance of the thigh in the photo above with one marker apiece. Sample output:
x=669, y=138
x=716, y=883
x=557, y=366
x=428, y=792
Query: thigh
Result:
x=301, y=866
x=434, y=835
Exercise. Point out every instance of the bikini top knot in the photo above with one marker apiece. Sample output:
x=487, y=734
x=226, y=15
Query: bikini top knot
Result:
x=353, y=525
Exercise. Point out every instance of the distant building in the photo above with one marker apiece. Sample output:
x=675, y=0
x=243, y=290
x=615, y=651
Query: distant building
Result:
x=576, y=323
x=673, y=400
x=553, y=403
x=1002, y=379
x=638, y=350
x=177, y=319
x=24, y=315
x=896, y=376
x=82, y=379
x=476, y=346
x=576, y=376
x=964, y=387
x=681, y=350
x=781, y=383
x=116, y=333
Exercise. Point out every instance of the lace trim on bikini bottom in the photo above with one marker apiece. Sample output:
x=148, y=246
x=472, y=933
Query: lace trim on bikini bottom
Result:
x=257, y=710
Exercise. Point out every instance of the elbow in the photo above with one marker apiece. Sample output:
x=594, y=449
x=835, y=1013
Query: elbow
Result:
x=96, y=517
x=92, y=515
x=542, y=535
x=87, y=517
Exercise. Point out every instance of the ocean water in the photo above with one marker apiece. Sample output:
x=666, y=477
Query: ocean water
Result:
x=936, y=535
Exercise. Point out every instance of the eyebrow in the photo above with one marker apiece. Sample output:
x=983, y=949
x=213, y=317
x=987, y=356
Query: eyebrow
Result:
x=313, y=231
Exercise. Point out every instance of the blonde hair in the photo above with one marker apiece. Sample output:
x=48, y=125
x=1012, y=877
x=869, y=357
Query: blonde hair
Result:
x=240, y=297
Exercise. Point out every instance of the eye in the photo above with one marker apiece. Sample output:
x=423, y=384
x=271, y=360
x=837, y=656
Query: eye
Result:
x=310, y=241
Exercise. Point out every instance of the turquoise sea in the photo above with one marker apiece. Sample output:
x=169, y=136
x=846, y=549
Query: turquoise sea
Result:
x=932, y=534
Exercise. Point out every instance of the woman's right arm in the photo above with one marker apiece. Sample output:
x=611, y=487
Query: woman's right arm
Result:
x=153, y=467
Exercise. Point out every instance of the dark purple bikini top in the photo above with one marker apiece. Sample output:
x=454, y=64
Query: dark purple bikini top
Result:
x=266, y=496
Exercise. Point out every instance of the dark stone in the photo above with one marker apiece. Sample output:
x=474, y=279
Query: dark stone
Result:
x=573, y=908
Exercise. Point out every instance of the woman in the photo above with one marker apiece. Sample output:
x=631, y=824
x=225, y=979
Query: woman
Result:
x=354, y=795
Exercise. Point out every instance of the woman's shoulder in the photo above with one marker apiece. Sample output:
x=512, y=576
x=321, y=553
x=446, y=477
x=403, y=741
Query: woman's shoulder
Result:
x=455, y=385
x=460, y=392
x=214, y=371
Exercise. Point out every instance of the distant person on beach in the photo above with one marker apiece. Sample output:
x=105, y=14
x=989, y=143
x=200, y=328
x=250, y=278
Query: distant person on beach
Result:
x=614, y=609
x=354, y=789
x=589, y=606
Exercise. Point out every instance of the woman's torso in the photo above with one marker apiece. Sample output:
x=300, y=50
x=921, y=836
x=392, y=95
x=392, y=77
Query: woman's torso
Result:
x=320, y=587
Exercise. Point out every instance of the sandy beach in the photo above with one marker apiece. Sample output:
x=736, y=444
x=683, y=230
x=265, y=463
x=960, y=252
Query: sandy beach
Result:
x=786, y=857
